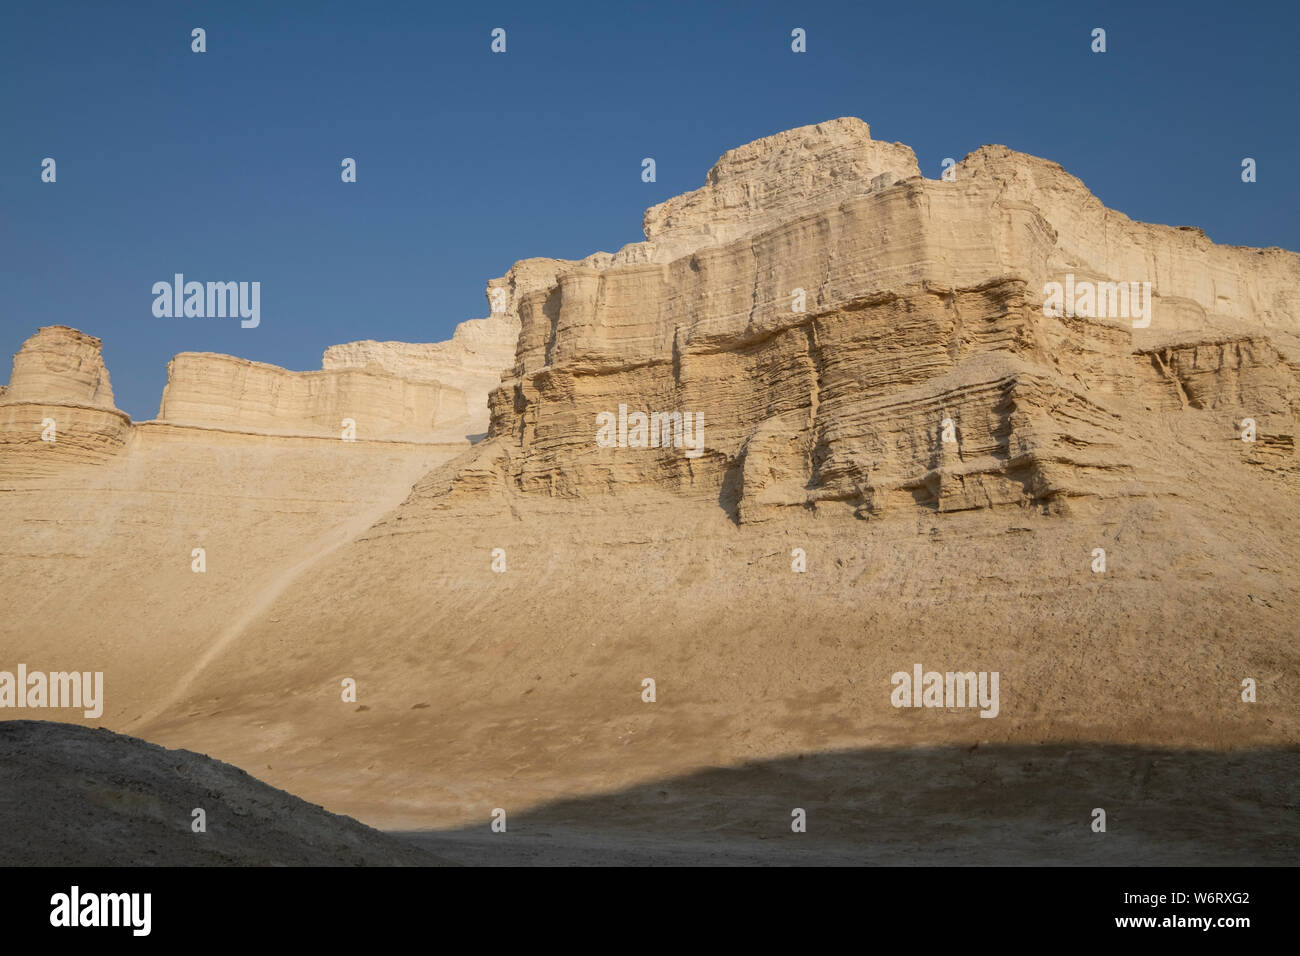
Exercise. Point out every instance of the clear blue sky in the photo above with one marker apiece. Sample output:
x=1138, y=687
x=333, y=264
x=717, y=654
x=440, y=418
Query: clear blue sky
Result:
x=225, y=165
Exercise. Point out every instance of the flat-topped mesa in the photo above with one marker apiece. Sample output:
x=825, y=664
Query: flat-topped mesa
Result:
x=60, y=365
x=409, y=391
x=220, y=391
x=826, y=324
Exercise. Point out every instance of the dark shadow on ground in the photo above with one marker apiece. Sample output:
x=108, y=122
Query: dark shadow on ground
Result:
x=993, y=805
x=77, y=796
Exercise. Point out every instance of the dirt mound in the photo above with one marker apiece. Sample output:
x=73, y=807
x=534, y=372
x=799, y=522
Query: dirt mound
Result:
x=73, y=796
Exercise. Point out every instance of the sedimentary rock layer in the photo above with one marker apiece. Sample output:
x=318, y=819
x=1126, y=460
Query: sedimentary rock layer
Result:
x=471, y=362
x=997, y=449
x=58, y=407
x=60, y=365
x=851, y=332
x=223, y=391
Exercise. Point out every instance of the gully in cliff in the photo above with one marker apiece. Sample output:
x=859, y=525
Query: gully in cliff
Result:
x=656, y=430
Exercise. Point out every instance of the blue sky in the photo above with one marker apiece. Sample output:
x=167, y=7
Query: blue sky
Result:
x=225, y=165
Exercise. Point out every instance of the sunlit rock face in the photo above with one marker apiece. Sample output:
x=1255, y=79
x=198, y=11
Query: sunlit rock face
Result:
x=57, y=409
x=852, y=334
x=223, y=391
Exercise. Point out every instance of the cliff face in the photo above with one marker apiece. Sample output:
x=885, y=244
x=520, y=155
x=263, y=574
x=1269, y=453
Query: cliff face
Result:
x=843, y=332
x=768, y=182
x=470, y=363
x=851, y=333
x=1199, y=285
x=390, y=391
x=226, y=392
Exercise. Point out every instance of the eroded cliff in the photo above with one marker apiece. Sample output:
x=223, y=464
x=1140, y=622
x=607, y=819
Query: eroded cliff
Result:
x=852, y=333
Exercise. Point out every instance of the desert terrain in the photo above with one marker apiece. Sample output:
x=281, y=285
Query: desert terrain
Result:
x=910, y=455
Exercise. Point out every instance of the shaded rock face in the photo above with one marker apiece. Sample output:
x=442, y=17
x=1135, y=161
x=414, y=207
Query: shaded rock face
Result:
x=852, y=333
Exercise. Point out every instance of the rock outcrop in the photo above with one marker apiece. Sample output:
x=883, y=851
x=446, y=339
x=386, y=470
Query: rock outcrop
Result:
x=57, y=409
x=59, y=365
x=471, y=362
x=766, y=183
x=940, y=459
x=58, y=406
x=851, y=333
x=225, y=392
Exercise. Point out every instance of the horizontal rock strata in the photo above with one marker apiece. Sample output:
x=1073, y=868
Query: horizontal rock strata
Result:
x=223, y=391
x=826, y=310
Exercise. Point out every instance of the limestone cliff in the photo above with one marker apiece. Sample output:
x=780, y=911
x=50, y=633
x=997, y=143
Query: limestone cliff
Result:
x=471, y=362
x=226, y=392
x=853, y=333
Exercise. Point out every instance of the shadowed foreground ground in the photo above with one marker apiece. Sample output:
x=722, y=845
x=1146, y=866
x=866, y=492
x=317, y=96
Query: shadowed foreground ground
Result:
x=999, y=805
x=70, y=795
x=73, y=796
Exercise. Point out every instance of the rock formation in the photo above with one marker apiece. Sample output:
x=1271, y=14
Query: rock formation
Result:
x=923, y=441
x=62, y=366
x=226, y=392
x=826, y=310
x=471, y=362
x=58, y=406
